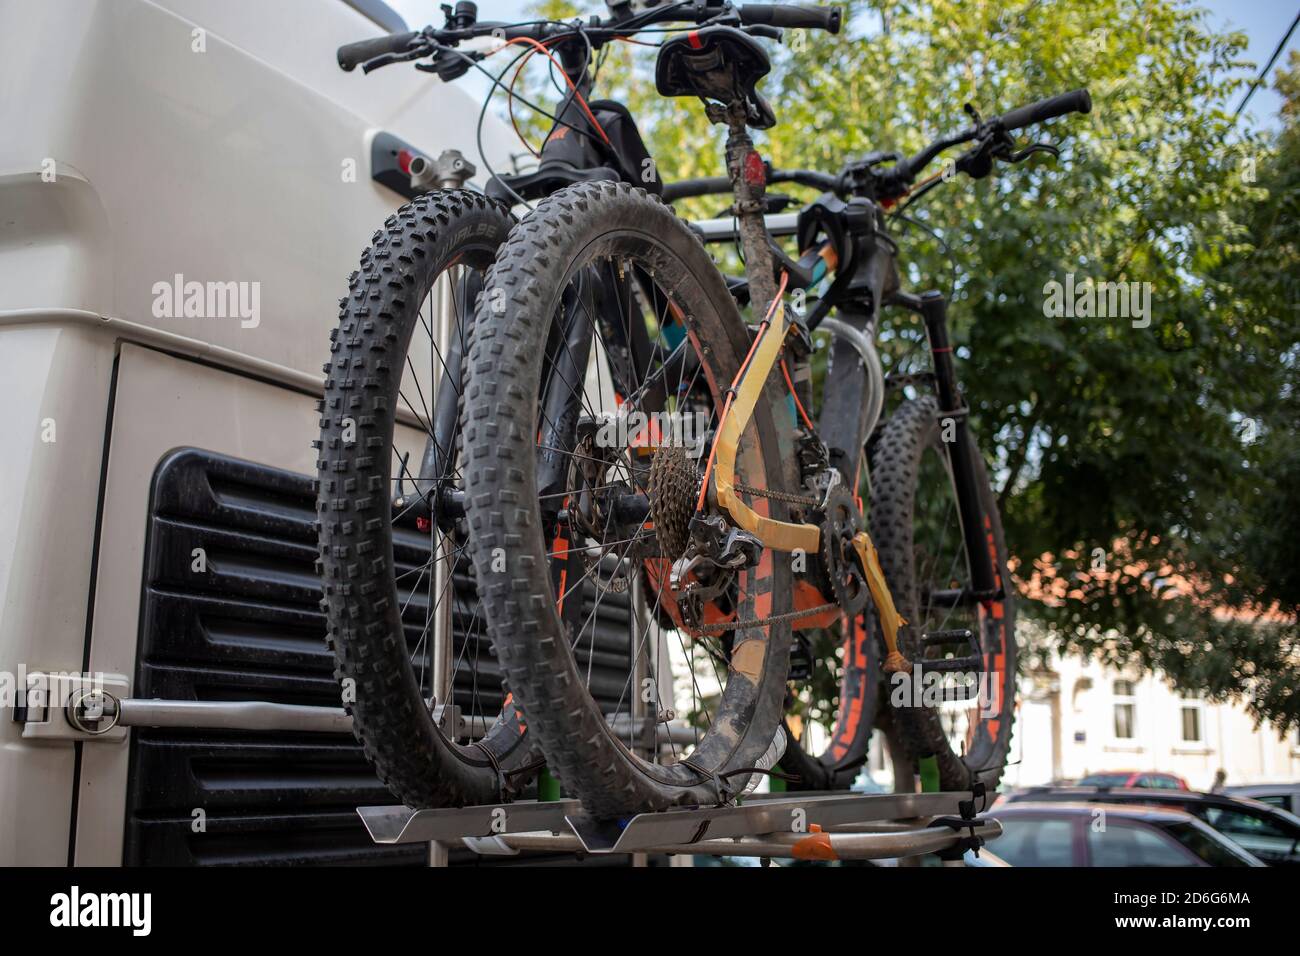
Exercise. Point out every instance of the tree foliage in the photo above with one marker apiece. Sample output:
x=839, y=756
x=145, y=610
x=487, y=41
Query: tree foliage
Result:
x=1148, y=476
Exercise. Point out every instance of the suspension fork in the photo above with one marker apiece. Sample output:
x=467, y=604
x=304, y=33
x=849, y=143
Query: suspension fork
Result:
x=961, y=452
x=435, y=471
x=564, y=379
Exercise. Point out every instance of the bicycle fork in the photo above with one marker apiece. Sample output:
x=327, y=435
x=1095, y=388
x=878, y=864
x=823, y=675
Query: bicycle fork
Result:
x=986, y=584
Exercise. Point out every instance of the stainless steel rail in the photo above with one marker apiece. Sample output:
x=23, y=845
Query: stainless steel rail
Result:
x=798, y=825
x=268, y=716
x=724, y=229
x=233, y=715
x=808, y=846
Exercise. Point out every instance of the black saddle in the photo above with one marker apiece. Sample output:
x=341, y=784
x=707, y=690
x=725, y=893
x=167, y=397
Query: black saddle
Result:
x=717, y=63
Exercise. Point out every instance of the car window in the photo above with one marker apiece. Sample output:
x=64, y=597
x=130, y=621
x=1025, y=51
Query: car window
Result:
x=1123, y=844
x=1237, y=823
x=1159, y=781
x=1036, y=841
x=1270, y=840
x=1204, y=845
x=1104, y=780
x=1278, y=800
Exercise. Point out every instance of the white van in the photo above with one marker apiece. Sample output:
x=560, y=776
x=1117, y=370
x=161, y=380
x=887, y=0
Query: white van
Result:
x=185, y=186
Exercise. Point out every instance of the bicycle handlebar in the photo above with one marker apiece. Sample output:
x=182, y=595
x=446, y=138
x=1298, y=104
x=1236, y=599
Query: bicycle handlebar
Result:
x=895, y=181
x=898, y=178
x=792, y=15
x=352, y=55
x=717, y=185
x=1076, y=101
x=598, y=31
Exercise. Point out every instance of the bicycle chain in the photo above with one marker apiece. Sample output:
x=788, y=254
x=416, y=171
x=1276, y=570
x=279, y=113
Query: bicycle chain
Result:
x=668, y=473
x=786, y=496
x=724, y=626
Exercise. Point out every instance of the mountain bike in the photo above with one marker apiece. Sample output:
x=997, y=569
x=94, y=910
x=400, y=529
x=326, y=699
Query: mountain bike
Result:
x=626, y=437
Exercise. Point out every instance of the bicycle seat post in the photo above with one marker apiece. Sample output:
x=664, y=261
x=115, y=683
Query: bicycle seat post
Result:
x=748, y=184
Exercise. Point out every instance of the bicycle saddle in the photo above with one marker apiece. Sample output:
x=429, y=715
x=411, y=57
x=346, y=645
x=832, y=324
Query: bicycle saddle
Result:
x=717, y=63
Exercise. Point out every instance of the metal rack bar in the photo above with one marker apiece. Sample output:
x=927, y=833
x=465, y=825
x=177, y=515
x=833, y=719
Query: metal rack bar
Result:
x=799, y=846
x=775, y=813
x=810, y=825
x=404, y=825
x=724, y=229
x=261, y=715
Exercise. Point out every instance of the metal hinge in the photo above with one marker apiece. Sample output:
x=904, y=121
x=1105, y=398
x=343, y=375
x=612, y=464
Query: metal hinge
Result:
x=58, y=705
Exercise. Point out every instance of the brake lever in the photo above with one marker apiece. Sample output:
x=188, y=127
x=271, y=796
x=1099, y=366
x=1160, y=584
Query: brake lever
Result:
x=1029, y=150
x=417, y=52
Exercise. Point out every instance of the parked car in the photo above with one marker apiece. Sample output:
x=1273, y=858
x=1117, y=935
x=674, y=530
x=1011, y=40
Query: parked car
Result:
x=985, y=859
x=1271, y=834
x=1284, y=796
x=1135, y=778
x=1074, y=834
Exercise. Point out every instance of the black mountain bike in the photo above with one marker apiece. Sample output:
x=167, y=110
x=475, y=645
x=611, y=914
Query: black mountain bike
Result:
x=609, y=432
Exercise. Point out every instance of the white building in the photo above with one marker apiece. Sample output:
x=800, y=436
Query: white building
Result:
x=1078, y=716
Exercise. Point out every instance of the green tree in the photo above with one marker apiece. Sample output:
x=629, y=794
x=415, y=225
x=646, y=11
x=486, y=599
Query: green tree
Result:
x=1168, y=449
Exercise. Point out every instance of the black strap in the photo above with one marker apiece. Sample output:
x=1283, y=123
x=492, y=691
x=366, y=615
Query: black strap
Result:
x=968, y=820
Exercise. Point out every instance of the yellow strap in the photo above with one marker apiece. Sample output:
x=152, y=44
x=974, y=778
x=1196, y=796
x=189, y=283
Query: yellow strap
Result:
x=890, y=621
x=777, y=535
x=784, y=535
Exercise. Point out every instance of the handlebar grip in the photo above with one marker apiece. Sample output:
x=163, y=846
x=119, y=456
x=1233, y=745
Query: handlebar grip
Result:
x=687, y=188
x=351, y=54
x=1077, y=101
x=792, y=15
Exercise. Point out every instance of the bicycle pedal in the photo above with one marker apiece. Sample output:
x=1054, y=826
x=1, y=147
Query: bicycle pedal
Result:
x=958, y=636
x=954, y=665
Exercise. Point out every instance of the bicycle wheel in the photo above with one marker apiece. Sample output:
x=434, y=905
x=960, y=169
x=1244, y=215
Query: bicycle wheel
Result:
x=392, y=540
x=605, y=282
x=916, y=528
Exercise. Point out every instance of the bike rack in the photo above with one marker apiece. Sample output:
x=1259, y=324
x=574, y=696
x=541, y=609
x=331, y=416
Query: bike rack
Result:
x=802, y=826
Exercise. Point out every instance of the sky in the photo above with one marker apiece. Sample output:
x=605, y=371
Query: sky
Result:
x=1263, y=21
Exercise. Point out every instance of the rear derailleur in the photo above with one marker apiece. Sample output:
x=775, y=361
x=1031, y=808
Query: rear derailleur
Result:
x=716, y=553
